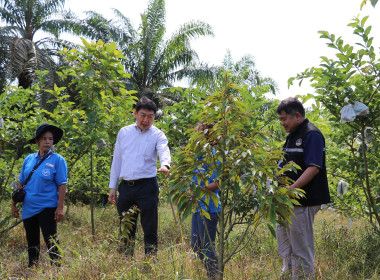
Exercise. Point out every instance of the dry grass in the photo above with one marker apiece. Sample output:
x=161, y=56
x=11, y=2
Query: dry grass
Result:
x=88, y=257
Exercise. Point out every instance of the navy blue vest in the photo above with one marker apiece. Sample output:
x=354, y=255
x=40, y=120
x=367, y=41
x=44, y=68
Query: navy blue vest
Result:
x=317, y=190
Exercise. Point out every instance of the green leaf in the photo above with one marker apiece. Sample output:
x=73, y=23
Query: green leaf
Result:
x=90, y=73
x=369, y=42
x=367, y=30
x=205, y=214
x=363, y=21
x=215, y=199
x=272, y=230
x=187, y=212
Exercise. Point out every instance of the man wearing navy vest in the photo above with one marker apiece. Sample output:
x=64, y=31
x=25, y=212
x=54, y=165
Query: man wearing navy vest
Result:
x=304, y=145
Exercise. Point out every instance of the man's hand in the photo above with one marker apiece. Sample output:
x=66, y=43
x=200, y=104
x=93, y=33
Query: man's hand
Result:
x=163, y=169
x=14, y=210
x=291, y=187
x=212, y=186
x=58, y=214
x=305, y=178
x=112, y=196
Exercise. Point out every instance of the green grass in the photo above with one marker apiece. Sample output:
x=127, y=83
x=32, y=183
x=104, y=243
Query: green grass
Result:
x=341, y=252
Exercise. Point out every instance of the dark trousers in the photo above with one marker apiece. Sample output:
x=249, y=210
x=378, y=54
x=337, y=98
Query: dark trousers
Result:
x=145, y=196
x=203, y=234
x=45, y=221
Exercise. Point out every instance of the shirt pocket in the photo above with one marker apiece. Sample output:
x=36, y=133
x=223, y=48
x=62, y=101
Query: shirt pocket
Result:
x=150, y=149
x=47, y=175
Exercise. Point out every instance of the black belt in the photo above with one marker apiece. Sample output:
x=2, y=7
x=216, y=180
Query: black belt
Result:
x=132, y=183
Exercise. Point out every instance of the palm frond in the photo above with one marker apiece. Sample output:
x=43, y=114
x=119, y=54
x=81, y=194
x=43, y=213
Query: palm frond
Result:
x=9, y=12
x=126, y=27
x=95, y=26
x=193, y=30
x=228, y=62
x=27, y=55
x=49, y=7
x=6, y=32
x=197, y=73
x=152, y=32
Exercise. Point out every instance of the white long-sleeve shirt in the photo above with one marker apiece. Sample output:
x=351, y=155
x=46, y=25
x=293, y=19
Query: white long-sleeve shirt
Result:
x=135, y=154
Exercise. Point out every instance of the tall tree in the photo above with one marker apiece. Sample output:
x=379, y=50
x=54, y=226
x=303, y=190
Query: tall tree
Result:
x=348, y=88
x=21, y=54
x=153, y=62
x=240, y=148
x=244, y=73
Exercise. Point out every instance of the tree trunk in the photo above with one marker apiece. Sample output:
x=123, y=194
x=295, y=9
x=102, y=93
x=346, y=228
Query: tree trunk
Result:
x=92, y=195
x=371, y=202
x=221, y=239
x=2, y=188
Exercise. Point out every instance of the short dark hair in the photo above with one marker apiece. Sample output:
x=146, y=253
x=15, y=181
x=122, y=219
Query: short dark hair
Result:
x=146, y=103
x=290, y=106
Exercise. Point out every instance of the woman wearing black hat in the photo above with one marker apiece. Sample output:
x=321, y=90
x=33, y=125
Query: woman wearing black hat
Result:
x=45, y=192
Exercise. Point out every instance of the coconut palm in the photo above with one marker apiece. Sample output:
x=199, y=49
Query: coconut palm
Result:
x=22, y=50
x=153, y=62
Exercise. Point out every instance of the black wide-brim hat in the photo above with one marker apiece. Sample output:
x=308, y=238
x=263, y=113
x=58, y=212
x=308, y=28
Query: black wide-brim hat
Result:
x=57, y=132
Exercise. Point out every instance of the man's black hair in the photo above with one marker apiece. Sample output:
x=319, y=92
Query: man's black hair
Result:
x=290, y=106
x=146, y=103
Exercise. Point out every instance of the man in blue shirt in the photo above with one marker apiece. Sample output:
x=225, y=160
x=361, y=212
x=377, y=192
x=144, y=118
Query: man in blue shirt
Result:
x=203, y=230
x=304, y=145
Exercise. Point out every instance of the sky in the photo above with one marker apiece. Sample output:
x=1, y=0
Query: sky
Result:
x=281, y=35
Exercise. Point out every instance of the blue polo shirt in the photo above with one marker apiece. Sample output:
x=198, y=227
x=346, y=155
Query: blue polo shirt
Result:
x=211, y=206
x=41, y=189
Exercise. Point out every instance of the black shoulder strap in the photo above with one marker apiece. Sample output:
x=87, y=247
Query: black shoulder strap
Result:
x=36, y=166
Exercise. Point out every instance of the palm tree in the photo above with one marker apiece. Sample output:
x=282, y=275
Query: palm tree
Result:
x=3, y=65
x=20, y=53
x=244, y=73
x=153, y=62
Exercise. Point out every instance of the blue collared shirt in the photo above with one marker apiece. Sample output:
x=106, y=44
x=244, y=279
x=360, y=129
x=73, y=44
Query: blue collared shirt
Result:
x=135, y=154
x=211, y=207
x=41, y=189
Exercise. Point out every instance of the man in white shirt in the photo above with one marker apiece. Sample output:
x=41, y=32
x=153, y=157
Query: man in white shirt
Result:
x=135, y=163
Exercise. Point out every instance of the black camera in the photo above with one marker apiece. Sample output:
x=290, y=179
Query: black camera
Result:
x=18, y=195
